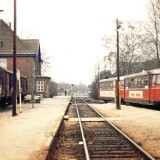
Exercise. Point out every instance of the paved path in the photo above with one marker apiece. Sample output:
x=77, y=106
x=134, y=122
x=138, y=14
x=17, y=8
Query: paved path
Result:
x=28, y=135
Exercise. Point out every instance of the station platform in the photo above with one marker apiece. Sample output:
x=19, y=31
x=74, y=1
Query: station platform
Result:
x=28, y=135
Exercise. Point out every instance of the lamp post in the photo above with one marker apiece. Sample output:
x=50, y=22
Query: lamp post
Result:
x=98, y=73
x=33, y=87
x=20, y=90
x=14, y=94
x=117, y=85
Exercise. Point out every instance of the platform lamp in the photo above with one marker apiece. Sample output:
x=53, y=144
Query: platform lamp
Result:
x=118, y=26
x=14, y=94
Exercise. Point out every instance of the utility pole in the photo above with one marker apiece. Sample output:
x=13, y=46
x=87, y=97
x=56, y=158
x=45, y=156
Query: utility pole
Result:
x=14, y=94
x=98, y=73
x=117, y=85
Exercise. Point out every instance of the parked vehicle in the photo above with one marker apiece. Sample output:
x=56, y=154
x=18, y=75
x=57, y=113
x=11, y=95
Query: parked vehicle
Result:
x=6, y=87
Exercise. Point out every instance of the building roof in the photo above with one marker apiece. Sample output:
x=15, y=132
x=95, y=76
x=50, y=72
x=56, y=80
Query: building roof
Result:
x=24, y=46
x=31, y=44
x=9, y=71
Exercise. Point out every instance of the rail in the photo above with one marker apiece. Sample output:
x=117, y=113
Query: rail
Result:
x=130, y=140
x=82, y=132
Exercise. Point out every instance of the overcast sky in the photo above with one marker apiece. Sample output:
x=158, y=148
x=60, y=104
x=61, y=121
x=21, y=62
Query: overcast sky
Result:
x=71, y=30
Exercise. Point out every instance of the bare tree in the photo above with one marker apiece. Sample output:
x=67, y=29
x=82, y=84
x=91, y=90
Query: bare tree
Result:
x=46, y=62
x=53, y=89
x=98, y=74
x=153, y=27
x=133, y=44
x=27, y=34
x=132, y=47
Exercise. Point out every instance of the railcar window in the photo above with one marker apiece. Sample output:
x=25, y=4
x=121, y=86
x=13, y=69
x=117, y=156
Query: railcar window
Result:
x=102, y=86
x=142, y=82
x=137, y=82
x=107, y=86
x=146, y=81
x=133, y=83
x=158, y=79
x=154, y=79
x=127, y=83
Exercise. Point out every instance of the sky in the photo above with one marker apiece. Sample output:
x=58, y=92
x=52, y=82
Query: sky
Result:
x=71, y=31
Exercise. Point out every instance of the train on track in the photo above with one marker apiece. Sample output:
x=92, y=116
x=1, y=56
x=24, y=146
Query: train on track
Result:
x=6, y=87
x=139, y=88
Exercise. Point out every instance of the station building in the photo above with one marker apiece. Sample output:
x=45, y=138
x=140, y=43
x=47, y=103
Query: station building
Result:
x=28, y=58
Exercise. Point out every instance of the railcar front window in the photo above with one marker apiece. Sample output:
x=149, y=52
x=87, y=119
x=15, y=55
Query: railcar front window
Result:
x=107, y=86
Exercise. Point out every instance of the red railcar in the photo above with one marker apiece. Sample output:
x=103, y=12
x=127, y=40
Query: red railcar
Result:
x=107, y=88
x=143, y=88
x=140, y=88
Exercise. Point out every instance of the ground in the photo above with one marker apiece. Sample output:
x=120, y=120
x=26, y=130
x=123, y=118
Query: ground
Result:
x=27, y=136
x=140, y=124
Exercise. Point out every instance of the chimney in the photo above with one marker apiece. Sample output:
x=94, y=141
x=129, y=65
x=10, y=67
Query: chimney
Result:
x=9, y=24
x=1, y=13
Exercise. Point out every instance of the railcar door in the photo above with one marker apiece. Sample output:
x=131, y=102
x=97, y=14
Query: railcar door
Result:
x=155, y=89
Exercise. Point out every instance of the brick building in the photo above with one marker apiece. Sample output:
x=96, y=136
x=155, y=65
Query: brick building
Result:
x=28, y=55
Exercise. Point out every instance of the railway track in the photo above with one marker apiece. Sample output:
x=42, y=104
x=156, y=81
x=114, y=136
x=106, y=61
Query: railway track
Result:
x=86, y=134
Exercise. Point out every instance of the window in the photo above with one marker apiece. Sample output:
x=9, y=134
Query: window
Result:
x=40, y=86
x=107, y=85
x=158, y=79
x=154, y=79
x=3, y=62
x=137, y=82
